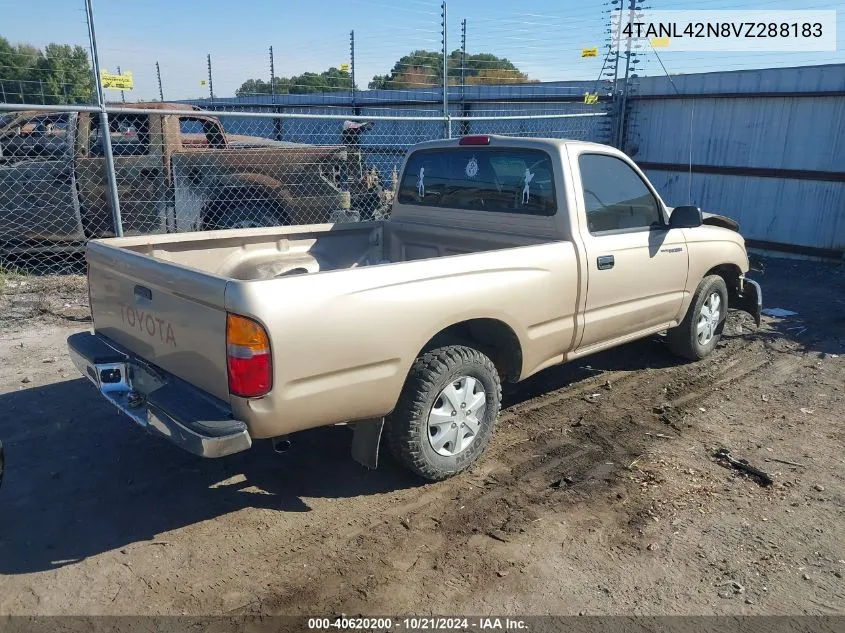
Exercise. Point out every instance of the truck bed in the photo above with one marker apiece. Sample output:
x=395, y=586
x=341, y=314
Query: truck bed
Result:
x=279, y=251
x=163, y=298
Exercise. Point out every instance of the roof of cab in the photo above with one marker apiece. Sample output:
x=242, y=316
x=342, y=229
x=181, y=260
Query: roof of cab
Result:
x=507, y=141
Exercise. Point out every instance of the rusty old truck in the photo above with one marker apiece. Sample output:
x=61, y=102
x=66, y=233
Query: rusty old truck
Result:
x=502, y=256
x=176, y=169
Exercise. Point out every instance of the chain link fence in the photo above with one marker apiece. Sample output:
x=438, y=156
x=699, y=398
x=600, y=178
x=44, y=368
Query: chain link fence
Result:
x=177, y=168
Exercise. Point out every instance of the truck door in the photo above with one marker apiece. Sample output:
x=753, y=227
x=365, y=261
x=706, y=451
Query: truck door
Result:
x=636, y=266
x=37, y=190
x=139, y=169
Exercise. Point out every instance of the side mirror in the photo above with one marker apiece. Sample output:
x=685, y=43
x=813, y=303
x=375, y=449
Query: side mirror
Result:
x=686, y=217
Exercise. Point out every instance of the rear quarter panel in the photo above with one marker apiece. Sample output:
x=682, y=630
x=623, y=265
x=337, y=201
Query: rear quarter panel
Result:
x=344, y=341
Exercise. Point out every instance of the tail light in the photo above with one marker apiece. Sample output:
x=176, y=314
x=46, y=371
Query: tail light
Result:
x=248, y=357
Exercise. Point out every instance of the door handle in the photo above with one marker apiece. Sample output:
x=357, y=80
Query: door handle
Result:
x=605, y=262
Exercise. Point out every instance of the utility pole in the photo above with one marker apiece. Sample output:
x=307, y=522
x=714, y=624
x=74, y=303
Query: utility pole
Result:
x=272, y=78
x=104, y=123
x=277, y=122
x=210, y=82
x=352, y=69
x=464, y=127
x=158, y=76
x=122, y=95
x=463, y=55
x=446, y=119
x=632, y=8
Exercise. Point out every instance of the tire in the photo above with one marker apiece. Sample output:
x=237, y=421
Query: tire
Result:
x=233, y=214
x=697, y=335
x=423, y=412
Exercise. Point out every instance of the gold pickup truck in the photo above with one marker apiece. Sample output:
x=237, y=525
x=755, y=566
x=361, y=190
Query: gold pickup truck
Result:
x=502, y=256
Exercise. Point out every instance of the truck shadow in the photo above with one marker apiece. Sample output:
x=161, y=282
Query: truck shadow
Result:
x=648, y=353
x=81, y=480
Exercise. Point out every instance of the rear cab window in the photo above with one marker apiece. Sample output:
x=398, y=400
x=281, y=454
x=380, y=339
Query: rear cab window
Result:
x=200, y=133
x=500, y=180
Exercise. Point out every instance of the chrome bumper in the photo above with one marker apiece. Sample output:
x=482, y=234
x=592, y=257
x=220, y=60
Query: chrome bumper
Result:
x=162, y=404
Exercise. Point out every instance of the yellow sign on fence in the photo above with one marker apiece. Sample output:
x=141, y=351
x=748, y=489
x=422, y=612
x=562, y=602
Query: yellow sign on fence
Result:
x=589, y=52
x=344, y=68
x=203, y=82
x=591, y=98
x=116, y=82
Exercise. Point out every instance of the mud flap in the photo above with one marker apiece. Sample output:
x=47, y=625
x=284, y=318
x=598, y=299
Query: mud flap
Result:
x=750, y=299
x=365, y=442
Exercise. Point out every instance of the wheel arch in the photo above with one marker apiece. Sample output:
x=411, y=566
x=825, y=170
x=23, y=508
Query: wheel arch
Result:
x=732, y=275
x=493, y=337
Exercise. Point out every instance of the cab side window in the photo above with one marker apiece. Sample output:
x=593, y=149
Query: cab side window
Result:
x=130, y=135
x=43, y=137
x=615, y=196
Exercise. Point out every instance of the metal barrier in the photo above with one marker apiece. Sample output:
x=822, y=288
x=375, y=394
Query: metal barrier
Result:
x=177, y=168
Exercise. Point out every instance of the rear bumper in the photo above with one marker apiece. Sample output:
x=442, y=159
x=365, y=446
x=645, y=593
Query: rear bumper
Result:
x=163, y=404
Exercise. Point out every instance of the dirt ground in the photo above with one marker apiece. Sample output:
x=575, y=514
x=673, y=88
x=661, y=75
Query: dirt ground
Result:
x=598, y=494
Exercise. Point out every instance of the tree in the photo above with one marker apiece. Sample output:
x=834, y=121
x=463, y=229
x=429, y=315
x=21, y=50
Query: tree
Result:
x=306, y=83
x=66, y=74
x=58, y=74
x=421, y=68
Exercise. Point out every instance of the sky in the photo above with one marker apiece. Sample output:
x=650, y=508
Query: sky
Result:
x=544, y=38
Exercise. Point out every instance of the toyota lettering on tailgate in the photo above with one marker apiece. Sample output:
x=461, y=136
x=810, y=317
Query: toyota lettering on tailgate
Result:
x=148, y=324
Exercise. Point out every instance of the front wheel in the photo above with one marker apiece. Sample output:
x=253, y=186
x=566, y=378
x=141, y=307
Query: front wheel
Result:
x=701, y=329
x=446, y=412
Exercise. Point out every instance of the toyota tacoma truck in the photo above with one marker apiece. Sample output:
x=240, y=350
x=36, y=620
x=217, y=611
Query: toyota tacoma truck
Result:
x=502, y=257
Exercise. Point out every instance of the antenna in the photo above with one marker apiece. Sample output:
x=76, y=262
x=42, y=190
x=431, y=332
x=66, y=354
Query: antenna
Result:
x=691, y=119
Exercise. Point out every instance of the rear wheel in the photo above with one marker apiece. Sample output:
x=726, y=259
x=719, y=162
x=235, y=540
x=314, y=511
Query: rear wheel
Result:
x=446, y=412
x=701, y=329
x=234, y=214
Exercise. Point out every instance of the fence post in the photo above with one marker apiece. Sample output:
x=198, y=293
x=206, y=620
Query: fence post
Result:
x=447, y=120
x=105, y=134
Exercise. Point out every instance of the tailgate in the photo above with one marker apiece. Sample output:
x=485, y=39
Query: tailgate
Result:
x=171, y=316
